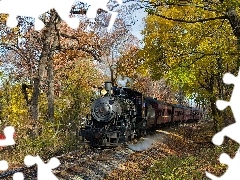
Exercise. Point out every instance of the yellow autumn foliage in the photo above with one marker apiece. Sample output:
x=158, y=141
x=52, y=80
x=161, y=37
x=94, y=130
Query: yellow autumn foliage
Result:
x=13, y=107
x=181, y=51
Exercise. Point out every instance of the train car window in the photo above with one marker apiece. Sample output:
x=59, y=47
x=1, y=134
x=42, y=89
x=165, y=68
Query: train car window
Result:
x=160, y=112
x=163, y=111
x=176, y=113
x=169, y=111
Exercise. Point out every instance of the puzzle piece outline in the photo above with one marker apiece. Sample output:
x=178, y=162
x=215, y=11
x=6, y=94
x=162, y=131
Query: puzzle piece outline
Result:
x=8, y=141
x=230, y=131
x=63, y=8
x=233, y=167
x=44, y=170
x=3, y=165
x=9, y=136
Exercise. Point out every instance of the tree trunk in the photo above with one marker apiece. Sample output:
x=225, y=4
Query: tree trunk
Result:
x=46, y=64
x=234, y=20
x=213, y=107
x=34, y=101
x=219, y=77
x=50, y=76
x=50, y=94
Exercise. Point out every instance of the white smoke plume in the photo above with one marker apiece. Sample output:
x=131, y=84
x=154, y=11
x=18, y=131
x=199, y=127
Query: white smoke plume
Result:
x=147, y=143
x=122, y=81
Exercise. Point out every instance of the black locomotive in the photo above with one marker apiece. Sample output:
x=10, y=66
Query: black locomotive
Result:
x=123, y=114
x=115, y=118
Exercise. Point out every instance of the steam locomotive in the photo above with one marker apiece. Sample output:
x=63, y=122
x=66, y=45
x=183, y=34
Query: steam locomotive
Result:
x=123, y=114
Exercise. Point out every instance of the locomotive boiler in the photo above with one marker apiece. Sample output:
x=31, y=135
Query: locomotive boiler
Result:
x=115, y=118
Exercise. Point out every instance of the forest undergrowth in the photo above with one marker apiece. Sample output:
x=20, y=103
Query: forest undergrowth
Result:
x=185, y=152
x=53, y=140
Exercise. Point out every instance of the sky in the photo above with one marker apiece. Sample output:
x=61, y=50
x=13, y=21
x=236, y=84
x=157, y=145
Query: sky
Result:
x=138, y=27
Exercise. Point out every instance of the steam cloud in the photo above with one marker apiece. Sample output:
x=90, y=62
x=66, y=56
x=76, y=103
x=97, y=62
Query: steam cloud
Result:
x=122, y=81
x=146, y=143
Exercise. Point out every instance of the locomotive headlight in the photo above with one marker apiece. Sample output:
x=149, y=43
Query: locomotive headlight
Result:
x=103, y=92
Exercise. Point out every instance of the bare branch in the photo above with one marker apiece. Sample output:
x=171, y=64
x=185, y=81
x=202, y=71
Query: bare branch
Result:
x=184, y=4
x=15, y=49
x=191, y=21
x=90, y=50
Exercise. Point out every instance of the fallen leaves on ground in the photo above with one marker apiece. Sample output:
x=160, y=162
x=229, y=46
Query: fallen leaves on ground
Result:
x=185, y=152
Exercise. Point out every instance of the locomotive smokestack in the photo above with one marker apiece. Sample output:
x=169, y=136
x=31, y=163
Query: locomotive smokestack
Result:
x=112, y=68
x=108, y=87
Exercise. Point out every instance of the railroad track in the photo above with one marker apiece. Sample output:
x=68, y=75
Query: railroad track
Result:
x=78, y=165
x=25, y=170
x=92, y=164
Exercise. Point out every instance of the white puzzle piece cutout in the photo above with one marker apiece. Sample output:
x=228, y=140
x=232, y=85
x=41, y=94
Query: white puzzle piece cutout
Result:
x=100, y=4
x=18, y=176
x=233, y=172
x=3, y=165
x=231, y=131
x=44, y=170
x=8, y=141
x=34, y=8
x=9, y=133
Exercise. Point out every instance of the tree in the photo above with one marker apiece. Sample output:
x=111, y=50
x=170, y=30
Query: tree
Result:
x=76, y=87
x=32, y=54
x=192, y=44
x=116, y=41
x=36, y=51
x=130, y=65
